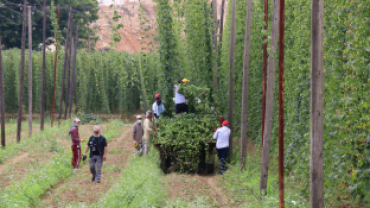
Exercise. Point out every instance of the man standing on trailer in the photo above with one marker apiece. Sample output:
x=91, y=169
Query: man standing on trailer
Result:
x=76, y=146
x=158, y=106
x=98, y=152
x=180, y=101
x=222, y=146
x=137, y=136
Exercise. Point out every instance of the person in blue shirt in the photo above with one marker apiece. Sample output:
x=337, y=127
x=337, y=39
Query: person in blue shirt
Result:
x=158, y=106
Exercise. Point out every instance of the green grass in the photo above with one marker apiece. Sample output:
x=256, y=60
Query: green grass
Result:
x=27, y=192
x=140, y=185
x=26, y=142
x=243, y=187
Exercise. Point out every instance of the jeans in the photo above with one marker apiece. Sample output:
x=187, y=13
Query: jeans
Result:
x=97, y=161
x=222, y=155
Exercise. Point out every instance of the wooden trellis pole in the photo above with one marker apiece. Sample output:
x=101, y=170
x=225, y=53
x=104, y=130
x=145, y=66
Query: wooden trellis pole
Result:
x=317, y=106
x=42, y=116
x=264, y=71
x=69, y=71
x=66, y=44
x=73, y=78
x=2, y=101
x=281, y=103
x=269, y=98
x=29, y=71
x=231, y=74
x=247, y=41
x=21, y=78
x=55, y=73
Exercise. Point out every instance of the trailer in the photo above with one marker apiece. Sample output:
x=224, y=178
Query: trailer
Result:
x=172, y=159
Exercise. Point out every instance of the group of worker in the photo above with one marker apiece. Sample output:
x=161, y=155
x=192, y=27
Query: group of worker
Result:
x=97, y=144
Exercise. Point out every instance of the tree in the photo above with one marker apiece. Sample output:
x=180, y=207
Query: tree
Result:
x=2, y=100
x=243, y=153
x=317, y=106
x=231, y=73
x=21, y=79
x=269, y=98
x=43, y=70
x=85, y=11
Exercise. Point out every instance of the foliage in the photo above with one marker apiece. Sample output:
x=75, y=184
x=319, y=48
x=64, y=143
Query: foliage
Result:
x=244, y=187
x=346, y=92
x=85, y=12
x=186, y=134
x=140, y=185
x=168, y=53
x=28, y=191
x=106, y=81
x=13, y=149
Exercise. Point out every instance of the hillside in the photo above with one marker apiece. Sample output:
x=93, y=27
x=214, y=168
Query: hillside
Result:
x=129, y=10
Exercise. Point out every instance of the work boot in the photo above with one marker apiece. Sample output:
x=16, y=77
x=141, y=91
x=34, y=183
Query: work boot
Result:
x=93, y=178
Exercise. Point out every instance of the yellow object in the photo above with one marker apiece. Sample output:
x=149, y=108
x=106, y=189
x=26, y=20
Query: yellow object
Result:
x=185, y=80
x=136, y=144
x=82, y=140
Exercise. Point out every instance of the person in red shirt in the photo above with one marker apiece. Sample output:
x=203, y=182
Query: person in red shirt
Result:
x=76, y=146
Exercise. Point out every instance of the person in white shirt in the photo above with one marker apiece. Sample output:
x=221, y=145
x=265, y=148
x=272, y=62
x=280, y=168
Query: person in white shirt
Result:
x=147, y=130
x=158, y=106
x=222, y=146
x=180, y=101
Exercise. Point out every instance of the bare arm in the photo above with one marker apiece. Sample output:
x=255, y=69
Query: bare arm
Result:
x=87, y=149
x=133, y=137
x=105, y=152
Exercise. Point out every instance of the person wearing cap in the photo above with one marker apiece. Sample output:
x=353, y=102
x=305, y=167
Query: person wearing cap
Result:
x=147, y=130
x=137, y=136
x=180, y=101
x=98, y=153
x=222, y=145
x=158, y=106
x=76, y=144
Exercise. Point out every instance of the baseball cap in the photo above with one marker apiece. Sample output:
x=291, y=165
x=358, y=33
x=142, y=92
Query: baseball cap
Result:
x=76, y=120
x=138, y=116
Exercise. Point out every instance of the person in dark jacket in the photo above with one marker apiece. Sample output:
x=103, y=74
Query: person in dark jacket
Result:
x=76, y=147
x=98, y=153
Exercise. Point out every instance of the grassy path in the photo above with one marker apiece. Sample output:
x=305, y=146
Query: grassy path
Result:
x=35, y=156
x=79, y=189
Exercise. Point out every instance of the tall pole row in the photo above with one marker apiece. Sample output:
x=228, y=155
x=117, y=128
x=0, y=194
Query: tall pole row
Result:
x=42, y=116
x=21, y=78
x=281, y=103
x=55, y=72
x=317, y=106
x=29, y=71
x=2, y=101
x=243, y=149
x=264, y=70
x=231, y=74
